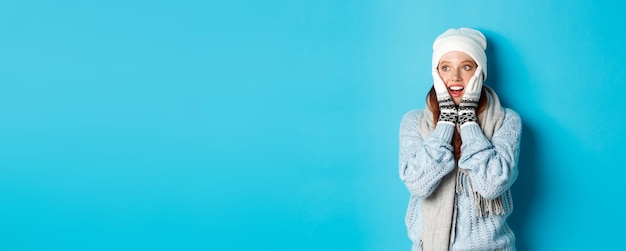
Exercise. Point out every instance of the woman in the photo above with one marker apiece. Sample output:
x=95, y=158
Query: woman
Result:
x=458, y=156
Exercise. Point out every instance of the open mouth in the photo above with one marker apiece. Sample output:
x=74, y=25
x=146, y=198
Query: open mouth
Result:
x=456, y=90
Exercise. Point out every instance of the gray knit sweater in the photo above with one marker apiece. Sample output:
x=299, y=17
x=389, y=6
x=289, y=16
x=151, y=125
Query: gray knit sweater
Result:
x=492, y=169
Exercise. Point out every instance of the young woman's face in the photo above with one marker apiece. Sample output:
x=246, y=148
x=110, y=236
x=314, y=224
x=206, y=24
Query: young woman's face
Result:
x=455, y=69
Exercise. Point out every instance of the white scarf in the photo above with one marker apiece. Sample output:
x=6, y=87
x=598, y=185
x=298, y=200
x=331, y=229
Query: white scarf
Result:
x=439, y=210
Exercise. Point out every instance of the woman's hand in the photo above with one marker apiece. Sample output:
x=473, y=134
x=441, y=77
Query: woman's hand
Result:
x=448, y=112
x=471, y=96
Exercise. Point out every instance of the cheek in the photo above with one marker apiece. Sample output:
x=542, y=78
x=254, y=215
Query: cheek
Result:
x=445, y=77
x=467, y=77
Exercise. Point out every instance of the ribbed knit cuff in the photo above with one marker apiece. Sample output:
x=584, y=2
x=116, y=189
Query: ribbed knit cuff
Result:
x=471, y=130
x=443, y=131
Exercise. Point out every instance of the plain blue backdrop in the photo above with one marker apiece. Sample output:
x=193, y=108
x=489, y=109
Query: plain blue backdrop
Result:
x=273, y=125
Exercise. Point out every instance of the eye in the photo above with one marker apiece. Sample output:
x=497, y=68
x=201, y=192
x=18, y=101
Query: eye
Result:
x=467, y=67
x=445, y=68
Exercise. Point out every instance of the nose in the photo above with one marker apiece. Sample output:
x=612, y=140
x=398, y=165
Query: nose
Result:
x=456, y=75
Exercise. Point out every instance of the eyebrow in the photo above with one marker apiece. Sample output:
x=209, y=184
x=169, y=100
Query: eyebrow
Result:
x=462, y=62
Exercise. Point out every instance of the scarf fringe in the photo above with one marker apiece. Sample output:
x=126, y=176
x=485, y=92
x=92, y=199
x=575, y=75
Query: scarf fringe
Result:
x=483, y=206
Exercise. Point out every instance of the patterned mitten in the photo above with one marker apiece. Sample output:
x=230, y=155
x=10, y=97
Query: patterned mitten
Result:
x=469, y=103
x=448, y=112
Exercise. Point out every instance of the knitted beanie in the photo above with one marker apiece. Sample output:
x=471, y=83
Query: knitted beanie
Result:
x=465, y=40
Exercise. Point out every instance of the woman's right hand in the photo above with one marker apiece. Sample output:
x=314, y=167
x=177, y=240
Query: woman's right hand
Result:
x=448, y=111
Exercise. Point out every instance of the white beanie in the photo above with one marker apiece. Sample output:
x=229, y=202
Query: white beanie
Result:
x=465, y=40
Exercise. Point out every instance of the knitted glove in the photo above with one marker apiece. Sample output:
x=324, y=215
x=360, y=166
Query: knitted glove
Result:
x=469, y=103
x=448, y=112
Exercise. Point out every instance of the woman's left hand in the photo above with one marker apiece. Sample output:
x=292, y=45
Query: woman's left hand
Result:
x=469, y=103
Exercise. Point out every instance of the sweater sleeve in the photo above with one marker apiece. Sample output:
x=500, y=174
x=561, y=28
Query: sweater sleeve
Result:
x=492, y=165
x=424, y=162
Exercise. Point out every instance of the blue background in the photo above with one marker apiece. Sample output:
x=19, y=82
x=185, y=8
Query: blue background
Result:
x=241, y=125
